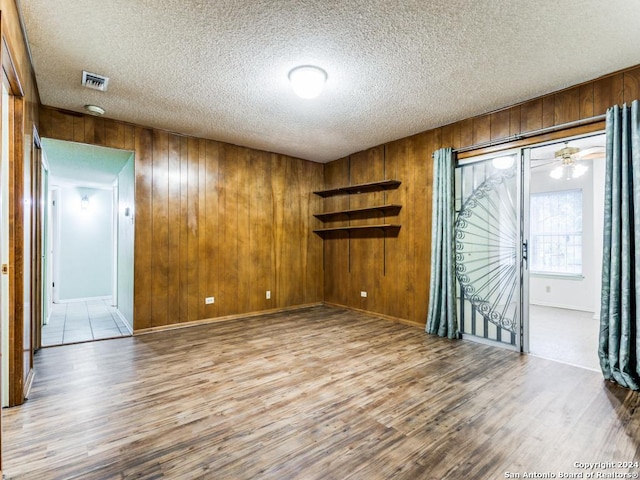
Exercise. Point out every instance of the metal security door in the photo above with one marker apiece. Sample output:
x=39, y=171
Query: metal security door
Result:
x=489, y=248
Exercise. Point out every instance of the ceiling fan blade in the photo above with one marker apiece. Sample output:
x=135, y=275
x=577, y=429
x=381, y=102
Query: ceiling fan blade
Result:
x=548, y=162
x=591, y=153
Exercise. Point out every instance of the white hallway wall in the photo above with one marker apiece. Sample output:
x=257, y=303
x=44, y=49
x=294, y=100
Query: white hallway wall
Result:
x=85, y=250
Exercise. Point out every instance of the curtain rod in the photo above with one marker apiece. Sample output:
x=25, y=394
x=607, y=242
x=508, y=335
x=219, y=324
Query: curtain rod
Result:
x=533, y=133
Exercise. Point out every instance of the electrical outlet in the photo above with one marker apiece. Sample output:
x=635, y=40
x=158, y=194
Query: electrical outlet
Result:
x=209, y=300
x=547, y=288
x=363, y=294
x=268, y=295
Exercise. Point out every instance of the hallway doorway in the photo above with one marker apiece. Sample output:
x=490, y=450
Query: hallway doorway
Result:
x=89, y=245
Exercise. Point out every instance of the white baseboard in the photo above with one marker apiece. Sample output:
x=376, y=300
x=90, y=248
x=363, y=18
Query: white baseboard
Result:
x=565, y=307
x=124, y=320
x=86, y=299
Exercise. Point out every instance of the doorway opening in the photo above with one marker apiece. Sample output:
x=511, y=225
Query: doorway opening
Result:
x=528, y=235
x=566, y=214
x=88, y=242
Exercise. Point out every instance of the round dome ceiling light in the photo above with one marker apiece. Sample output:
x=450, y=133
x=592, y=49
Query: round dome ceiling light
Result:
x=307, y=81
x=94, y=109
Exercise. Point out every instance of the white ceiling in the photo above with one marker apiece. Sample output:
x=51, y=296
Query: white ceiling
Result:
x=218, y=69
x=73, y=163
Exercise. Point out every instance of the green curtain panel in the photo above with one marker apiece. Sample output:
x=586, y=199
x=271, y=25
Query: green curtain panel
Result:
x=619, y=311
x=441, y=316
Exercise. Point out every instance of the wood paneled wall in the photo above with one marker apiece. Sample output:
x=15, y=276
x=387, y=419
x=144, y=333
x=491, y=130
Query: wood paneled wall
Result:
x=211, y=219
x=395, y=270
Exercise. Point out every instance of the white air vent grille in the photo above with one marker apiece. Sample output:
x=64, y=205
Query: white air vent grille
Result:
x=95, y=81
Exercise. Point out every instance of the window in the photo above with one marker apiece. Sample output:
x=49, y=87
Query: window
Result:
x=556, y=232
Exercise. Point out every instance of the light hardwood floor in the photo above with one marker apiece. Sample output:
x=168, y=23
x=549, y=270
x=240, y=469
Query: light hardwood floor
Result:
x=319, y=393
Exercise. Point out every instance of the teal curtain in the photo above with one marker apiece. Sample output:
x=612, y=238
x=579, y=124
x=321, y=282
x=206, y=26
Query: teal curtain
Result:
x=441, y=316
x=620, y=307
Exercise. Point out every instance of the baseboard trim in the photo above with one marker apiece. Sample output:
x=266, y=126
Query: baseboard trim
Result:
x=87, y=299
x=28, y=383
x=564, y=307
x=124, y=320
x=402, y=321
x=226, y=318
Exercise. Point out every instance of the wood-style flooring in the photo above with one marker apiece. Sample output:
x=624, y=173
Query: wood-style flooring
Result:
x=318, y=393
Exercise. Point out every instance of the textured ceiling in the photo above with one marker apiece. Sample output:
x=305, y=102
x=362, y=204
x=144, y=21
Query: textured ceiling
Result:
x=79, y=164
x=218, y=69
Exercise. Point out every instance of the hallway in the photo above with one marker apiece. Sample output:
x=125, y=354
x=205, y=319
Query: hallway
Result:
x=82, y=322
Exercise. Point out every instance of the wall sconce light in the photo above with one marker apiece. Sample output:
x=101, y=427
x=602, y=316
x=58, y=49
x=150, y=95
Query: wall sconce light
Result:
x=84, y=203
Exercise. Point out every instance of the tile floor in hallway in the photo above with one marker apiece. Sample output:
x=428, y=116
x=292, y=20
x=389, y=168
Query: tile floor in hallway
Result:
x=81, y=322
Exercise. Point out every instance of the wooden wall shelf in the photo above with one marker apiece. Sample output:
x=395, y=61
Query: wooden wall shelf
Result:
x=385, y=209
x=360, y=188
x=383, y=226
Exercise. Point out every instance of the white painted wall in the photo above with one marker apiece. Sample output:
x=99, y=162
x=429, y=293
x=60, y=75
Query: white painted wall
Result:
x=126, y=203
x=575, y=293
x=85, y=249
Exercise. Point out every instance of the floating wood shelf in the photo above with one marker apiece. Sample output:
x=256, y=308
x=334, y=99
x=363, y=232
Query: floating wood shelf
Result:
x=360, y=188
x=386, y=209
x=382, y=226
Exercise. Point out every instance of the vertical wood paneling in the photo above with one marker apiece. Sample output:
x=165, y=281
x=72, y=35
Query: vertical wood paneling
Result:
x=160, y=229
x=481, y=129
x=566, y=106
x=548, y=111
x=607, y=92
x=466, y=132
x=203, y=233
x=586, y=100
x=423, y=178
x=366, y=248
x=63, y=125
x=243, y=213
x=500, y=123
x=514, y=120
x=194, y=214
x=78, y=129
x=260, y=257
x=183, y=227
x=631, y=85
x=399, y=285
x=114, y=134
x=173, y=227
x=213, y=248
x=143, y=257
x=531, y=116
x=336, y=245
x=229, y=231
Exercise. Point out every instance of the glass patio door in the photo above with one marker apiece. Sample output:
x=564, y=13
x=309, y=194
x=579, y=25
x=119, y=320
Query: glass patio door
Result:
x=490, y=249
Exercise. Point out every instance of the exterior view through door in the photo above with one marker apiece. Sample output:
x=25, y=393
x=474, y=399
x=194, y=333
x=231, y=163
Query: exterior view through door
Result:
x=528, y=236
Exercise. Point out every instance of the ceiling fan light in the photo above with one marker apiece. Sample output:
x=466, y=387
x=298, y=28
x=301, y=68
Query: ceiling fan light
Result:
x=307, y=81
x=557, y=173
x=579, y=170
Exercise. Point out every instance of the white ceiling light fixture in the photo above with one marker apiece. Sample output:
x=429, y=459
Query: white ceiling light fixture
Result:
x=307, y=81
x=94, y=109
x=503, y=163
x=569, y=168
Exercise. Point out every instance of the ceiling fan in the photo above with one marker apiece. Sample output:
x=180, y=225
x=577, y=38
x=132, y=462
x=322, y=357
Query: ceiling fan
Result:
x=570, y=163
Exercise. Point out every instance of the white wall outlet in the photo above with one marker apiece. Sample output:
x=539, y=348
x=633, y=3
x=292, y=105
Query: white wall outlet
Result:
x=547, y=288
x=363, y=294
x=268, y=295
x=209, y=300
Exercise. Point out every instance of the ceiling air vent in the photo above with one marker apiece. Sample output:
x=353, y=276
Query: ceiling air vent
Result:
x=95, y=81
